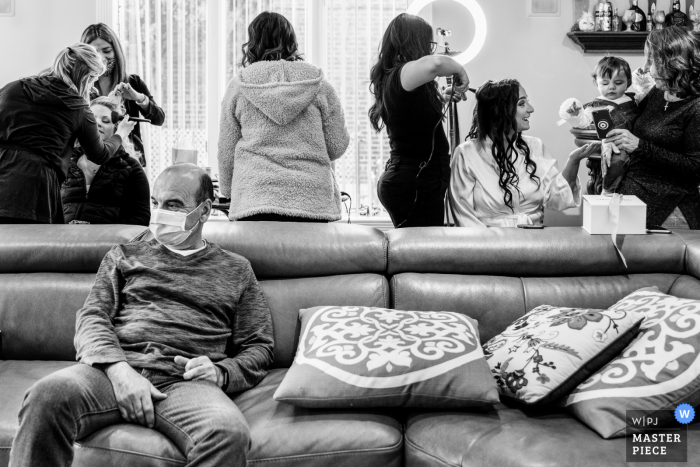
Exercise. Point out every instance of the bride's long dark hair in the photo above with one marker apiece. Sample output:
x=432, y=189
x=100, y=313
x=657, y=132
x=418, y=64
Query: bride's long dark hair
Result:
x=494, y=118
x=407, y=38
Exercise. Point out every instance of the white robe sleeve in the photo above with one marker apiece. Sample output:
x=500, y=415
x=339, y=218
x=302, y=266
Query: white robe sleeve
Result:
x=558, y=194
x=461, y=192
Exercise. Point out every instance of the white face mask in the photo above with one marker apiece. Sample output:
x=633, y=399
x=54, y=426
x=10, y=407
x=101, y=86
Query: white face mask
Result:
x=168, y=227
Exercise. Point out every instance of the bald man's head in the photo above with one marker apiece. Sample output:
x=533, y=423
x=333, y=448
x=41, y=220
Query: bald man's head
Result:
x=187, y=178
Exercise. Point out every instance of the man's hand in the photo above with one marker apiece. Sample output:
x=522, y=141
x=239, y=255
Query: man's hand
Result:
x=134, y=393
x=200, y=368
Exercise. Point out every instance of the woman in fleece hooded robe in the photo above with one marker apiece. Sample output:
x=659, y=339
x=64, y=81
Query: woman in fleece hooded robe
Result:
x=281, y=127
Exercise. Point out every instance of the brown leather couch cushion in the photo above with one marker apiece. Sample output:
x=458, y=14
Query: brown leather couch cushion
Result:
x=127, y=444
x=37, y=314
x=281, y=434
x=15, y=378
x=59, y=248
x=291, y=249
x=296, y=437
x=495, y=302
x=37, y=311
x=286, y=297
x=554, y=251
x=511, y=437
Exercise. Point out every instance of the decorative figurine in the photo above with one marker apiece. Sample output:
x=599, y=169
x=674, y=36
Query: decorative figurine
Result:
x=586, y=23
x=659, y=19
x=676, y=17
x=694, y=17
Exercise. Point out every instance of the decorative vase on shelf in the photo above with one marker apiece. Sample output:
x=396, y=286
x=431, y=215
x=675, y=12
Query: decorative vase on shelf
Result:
x=694, y=17
x=628, y=19
x=659, y=19
x=616, y=22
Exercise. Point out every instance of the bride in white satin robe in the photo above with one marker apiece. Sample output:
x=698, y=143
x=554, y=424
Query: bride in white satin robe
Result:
x=475, y=197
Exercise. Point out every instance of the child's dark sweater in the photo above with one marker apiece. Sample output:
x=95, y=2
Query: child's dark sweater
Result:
x=623, y=115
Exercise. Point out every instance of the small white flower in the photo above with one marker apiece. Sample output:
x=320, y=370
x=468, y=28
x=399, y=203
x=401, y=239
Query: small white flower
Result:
x=599, y=335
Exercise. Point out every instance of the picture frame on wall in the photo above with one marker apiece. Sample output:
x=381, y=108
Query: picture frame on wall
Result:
x=543, y=8
x=7, y=7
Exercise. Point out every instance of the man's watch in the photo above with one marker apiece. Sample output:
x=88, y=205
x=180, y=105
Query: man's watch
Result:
x=224, y=375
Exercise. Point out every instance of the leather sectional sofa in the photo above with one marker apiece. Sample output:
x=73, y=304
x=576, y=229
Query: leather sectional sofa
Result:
x=493, y=275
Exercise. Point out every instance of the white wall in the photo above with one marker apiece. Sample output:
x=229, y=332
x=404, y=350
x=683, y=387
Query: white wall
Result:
x=39, y=30
x=537, y=52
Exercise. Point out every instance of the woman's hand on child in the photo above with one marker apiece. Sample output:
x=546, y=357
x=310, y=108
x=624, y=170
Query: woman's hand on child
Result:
x=623, y=139
x=607, y=152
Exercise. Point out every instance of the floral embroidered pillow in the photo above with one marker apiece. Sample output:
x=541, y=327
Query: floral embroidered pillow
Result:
x=658, y=371
x=376, y=357
x=549, y=351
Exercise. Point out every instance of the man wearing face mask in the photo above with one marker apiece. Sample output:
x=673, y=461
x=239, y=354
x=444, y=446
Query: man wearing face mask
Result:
x=152, y=340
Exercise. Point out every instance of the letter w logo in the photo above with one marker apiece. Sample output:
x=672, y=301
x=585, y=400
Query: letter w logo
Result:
x=684, y=413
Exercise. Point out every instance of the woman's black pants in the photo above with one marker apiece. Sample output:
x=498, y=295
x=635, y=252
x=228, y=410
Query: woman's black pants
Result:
x=414, y=202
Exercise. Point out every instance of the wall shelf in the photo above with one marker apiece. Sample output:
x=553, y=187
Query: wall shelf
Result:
x=602, y=42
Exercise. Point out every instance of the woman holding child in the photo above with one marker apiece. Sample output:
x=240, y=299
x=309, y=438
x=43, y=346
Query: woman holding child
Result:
x=664, y=146
x=501, y=178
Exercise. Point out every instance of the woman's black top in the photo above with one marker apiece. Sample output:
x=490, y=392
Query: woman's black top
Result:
x=44, y=116
x=153, y=112
x=411, y=117
x=119, y=192
x=664, y=171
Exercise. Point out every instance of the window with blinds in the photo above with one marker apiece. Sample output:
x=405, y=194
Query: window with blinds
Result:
x=165, y=43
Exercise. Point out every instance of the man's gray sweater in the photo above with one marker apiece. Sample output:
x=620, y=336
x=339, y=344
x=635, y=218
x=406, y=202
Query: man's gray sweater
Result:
x=150, y=304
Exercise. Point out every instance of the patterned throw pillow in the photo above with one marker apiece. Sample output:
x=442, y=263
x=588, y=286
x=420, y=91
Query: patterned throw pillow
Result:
x=546, y=353
x=377, y=357
x=659, y=370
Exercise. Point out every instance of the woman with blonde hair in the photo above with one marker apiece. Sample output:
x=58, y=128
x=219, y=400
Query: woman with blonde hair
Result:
x=130, y=88
x=116, y=192
x=40, y=119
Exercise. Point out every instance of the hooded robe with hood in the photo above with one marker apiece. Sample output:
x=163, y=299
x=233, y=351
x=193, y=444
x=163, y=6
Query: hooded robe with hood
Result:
x=40, y=119
x=281, y=127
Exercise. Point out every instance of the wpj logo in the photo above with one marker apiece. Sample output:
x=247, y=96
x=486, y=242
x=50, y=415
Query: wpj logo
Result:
x=649, y=440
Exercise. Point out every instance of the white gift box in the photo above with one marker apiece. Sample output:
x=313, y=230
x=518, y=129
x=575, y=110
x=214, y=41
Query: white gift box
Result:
x=596, y=215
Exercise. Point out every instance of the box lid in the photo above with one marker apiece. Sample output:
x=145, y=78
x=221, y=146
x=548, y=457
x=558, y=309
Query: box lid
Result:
x=602, y=200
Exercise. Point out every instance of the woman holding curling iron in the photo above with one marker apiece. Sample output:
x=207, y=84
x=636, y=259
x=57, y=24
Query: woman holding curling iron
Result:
x=41, y=117
x=136, y=97
x=407, y=101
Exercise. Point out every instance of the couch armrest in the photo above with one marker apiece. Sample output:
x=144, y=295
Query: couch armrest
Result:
x=692, y=251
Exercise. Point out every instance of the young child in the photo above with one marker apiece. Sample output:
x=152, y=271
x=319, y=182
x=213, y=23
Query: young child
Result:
x=613, y=77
